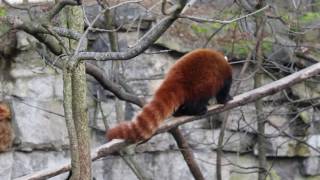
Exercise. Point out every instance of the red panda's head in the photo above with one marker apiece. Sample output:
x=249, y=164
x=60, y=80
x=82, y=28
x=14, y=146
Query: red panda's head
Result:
x=5, y=113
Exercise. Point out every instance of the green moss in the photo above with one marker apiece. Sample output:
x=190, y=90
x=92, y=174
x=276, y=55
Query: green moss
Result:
x=233, y=25
x=205, y=28
x=215, y=25
x=298, y=149
x=238, y=176
x=309, y=17
x=286, y=17
x=305, y=18
x=295, y=28
x=241, y=48
x=200, y=29
x=3, y=11
x=267, y=47
x=312, y=178
x=304, y=116
x=273, y=175
x=241, y=51
x=302, y=150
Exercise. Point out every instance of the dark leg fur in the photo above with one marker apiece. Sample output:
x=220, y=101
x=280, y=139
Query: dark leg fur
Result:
x=223, y=95
x=194, y=108
x=69, y=176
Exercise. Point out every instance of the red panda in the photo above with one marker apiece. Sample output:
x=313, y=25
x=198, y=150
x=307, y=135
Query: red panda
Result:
x=5, y=127
x=186, y=90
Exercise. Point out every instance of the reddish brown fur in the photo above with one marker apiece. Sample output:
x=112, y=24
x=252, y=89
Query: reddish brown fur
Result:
x=5, y=127
x=198, y=74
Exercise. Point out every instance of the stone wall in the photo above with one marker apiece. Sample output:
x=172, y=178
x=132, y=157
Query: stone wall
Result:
x=41, y=141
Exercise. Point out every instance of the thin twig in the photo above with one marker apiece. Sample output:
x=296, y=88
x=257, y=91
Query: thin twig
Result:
x=199, y=19
x=84, y=35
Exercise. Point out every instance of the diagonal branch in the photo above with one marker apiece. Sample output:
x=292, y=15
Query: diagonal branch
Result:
x=107, y=84
x=239, y=100
x=144, y=44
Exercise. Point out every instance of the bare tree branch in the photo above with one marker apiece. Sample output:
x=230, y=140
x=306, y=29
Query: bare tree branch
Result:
x=107, y=84
x=150, y=37
x=199, y=19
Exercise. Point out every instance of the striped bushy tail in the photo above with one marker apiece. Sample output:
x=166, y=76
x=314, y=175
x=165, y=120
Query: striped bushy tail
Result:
x=147, y=121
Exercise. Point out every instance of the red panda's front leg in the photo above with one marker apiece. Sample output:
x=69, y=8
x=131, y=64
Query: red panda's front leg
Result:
x=223, y=95
x=193, y=108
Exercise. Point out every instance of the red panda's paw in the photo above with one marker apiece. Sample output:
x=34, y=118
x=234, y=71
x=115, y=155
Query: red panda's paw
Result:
x=229, y=98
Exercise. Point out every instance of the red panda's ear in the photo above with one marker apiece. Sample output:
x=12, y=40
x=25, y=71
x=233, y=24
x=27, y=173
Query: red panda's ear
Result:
x=226, y=58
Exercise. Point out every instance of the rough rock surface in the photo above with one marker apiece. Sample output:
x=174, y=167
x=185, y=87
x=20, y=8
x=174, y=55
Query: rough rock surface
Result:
x=41, y=142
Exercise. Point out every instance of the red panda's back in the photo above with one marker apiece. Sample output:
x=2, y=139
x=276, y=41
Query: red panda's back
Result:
x=202, y=71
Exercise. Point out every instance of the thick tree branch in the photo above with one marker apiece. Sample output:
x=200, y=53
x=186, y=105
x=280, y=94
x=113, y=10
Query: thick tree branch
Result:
x=107, y=84
x=249, y=96
x=239, y=100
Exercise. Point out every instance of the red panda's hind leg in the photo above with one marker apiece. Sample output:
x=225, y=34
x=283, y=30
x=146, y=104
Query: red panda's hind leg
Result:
x=223, y=95
x=193, y=108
